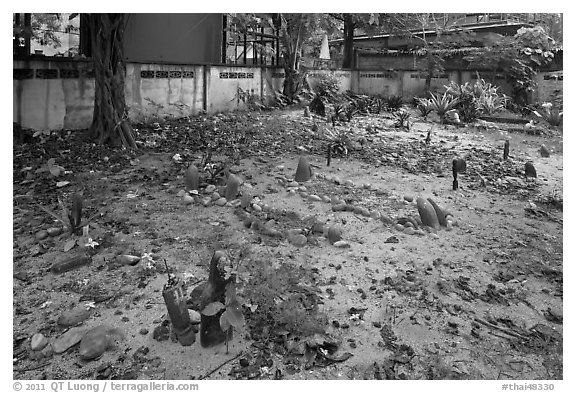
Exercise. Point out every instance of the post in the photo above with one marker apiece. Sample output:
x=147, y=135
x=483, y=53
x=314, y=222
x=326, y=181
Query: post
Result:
x=205, y=73
x=224, y=38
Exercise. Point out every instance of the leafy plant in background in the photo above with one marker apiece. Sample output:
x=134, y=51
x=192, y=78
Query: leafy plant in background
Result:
x=425, y=106
x=318, y=105
x=327, y=87
x=71, y=218
x=489, y=105
x=468, y=109
x=214, y=170
x=378, y=105
x=339, y=110
x=339, y=140
x=394, y=102
x=444, y=103
x=553, y=116
x=249, y=98
x=518, y=57
x=402, y=119
x=362, y=105
x=349, y=112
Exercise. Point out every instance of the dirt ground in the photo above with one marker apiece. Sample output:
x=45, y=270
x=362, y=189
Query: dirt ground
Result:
x=481, y=299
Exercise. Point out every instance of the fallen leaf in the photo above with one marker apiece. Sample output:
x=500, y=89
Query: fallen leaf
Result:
x=70, y=244
x=212, y=308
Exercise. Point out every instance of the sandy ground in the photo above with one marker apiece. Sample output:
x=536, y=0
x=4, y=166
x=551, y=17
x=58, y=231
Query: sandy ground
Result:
x=482, y=300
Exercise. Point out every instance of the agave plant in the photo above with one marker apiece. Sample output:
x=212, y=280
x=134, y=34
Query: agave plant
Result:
x=553, y=116
x=378, y=105
x=339, y=141
x=491, y=104
x=444, y=103
x=350, y=111
x=71, y=219
x=424, y=106
x=362, y=105
x=394, y=102
x=318, y=106
x=402, y=119
x=338, y=111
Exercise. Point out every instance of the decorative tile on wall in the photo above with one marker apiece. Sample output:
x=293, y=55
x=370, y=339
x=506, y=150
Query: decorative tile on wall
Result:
x=23, y=73
x=173, y=74
x=236, y=75
x=46, y=74
x=69, y=74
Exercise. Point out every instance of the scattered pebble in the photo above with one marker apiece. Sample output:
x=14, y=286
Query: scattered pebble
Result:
x=221, y=202
x=409, y=231
x=95, y=342
x=210, y=189
x=74, y=317
x=297, y=240
x=68, y=339
x=334, y=234
x=314, y=198
x=256, y=207
x=41, y=235
x=181, y=193
x=187, y=199
x=342, y=244
x=38, y=342
x=54, y=231
x=434, y=236
x=408, y=198
x=339, y=207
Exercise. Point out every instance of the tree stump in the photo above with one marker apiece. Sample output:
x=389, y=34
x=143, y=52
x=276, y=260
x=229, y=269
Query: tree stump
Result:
x=211, y=333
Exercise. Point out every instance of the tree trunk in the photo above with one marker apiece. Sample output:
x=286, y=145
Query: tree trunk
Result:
x=291, y=82
x=429, y=70
x=110, y=120
x=349, y=26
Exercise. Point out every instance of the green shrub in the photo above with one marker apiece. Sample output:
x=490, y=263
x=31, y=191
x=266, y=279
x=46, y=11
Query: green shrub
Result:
x=327, y=86
x=402, y=119
x=394, y=102
x=340, y=141
x=424, y=105
x=553, y=116
x=444, y=103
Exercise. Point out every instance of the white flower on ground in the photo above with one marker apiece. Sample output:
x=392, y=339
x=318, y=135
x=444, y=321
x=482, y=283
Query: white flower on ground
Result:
x=91, y=243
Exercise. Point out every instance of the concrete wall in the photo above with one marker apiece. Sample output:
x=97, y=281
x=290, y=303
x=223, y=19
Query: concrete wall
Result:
x=225, y=82
x=549, y=84
x=55, y=95
x=59, y=94
x=163, y=89
x=385, y=83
